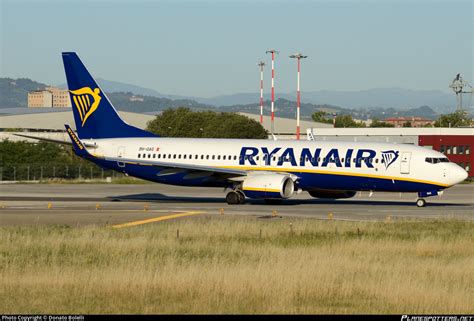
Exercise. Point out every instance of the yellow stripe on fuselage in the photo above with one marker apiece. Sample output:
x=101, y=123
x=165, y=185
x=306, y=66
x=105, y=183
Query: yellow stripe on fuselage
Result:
x=314, y=171
x=261, y=190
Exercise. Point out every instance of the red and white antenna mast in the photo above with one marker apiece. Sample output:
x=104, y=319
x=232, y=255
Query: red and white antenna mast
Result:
x=261, y=64
x=298, y=57
x=273, y=52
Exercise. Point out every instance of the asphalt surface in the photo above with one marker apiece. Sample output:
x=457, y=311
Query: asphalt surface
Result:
x=109, y=204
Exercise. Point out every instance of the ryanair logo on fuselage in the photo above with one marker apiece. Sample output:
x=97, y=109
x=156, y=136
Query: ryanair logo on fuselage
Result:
x=86, y=101
x=317, y=157
x=389, y=157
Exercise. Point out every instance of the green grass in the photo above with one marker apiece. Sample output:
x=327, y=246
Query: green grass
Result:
x=220, y=264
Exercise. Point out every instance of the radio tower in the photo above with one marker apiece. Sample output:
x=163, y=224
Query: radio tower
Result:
x=298, y=57
x=261, y=64
x=458, y=86
x=273, y=52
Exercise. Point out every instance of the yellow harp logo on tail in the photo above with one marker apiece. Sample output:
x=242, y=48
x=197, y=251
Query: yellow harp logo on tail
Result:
x=86, y=101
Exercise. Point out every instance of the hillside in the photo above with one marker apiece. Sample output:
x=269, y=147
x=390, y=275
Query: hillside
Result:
x=14, y=92
x=287, y=108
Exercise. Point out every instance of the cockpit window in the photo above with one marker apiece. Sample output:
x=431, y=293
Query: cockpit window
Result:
x=434, y=160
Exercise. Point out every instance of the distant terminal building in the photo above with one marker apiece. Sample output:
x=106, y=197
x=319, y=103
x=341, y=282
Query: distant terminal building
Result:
x=49, y=97
x=412, y=121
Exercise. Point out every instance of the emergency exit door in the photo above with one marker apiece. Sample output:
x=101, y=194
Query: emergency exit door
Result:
x=121, y=154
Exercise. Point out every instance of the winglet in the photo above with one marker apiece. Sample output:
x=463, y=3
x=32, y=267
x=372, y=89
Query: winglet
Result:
x=77, y=145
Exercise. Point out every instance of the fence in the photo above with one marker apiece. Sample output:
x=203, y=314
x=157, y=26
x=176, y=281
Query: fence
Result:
x=40, y=172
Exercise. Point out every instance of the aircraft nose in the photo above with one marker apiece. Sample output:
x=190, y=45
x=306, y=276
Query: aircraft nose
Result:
x=459, y=174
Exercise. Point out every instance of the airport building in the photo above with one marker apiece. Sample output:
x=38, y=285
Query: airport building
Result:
x=49, y=97
x=413, y=121
x=40, y=98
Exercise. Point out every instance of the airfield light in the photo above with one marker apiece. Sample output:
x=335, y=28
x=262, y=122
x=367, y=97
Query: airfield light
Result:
x=273, y=52
x=261, y=64
x=298, y=57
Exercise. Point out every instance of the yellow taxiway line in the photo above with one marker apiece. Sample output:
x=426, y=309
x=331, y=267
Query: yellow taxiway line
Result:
x=157, y=219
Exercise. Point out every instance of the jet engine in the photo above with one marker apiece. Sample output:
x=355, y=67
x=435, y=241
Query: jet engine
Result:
x=268, y=186
x=331, y=194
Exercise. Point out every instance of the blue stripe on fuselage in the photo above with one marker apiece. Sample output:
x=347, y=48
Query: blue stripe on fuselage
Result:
x=306, y=181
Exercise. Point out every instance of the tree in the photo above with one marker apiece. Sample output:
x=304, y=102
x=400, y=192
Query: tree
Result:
x=378, y=123
x=320, y=117
x=459, y=118
x=345, y=121
x=182, y=122
x=407, y=124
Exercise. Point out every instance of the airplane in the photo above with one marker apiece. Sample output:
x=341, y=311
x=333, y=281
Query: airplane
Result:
x=271, y=170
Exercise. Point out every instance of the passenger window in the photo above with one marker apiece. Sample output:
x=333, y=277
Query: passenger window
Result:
x=154, y=155
x=207, y=156
x=174, y=156
x=213, y=156
x=159, y=155
x=139, y=155
x=218, y=157
x=184, y=156
x=149, y=155
x=202, y=156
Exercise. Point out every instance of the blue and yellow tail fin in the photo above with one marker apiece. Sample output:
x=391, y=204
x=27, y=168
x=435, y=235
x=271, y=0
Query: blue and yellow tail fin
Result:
x=94, y=115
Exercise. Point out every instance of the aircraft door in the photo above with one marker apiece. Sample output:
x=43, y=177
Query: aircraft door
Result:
x=405, y=163
x=121, y=154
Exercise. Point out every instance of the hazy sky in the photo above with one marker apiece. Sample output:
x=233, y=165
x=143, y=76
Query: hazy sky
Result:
x=207, y=48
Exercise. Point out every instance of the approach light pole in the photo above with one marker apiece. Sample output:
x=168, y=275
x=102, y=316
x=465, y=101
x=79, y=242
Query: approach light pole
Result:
x=273, y=52
x=298, y=57
x=261, y=64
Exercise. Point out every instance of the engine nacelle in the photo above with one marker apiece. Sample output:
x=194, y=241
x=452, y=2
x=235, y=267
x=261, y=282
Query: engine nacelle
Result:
x=268, y=186
x=331, y=194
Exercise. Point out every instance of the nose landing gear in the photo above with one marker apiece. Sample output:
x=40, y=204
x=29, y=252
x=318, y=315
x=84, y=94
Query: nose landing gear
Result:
x=420, y=202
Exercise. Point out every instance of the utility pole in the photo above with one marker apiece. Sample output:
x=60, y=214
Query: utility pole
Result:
x=261, y=64
x=273, y=52
x=298, y=57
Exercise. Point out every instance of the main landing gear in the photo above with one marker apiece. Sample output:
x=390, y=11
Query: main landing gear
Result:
x=235, y=197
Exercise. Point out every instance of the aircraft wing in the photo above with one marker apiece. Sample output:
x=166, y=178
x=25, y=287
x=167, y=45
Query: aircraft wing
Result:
x=179, y=167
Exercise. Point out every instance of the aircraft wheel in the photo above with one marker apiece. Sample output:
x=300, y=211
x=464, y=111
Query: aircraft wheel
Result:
x=420, y=202
x=241, y=197
x=232, y=198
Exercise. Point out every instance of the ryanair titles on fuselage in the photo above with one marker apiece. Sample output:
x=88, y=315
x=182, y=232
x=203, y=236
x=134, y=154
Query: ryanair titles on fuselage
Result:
x=314, y=157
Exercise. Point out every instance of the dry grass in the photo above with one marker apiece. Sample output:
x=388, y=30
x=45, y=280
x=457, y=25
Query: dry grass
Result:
x=221, y=265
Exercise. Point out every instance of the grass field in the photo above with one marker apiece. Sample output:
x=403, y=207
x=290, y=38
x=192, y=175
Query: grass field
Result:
x=222, y=264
